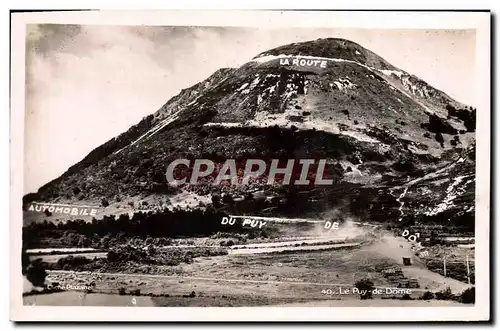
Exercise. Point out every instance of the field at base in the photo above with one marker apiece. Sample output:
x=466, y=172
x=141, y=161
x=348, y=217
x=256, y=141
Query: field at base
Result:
x=246, y=277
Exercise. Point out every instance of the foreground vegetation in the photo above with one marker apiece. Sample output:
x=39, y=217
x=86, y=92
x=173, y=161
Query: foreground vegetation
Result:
x=111, y=231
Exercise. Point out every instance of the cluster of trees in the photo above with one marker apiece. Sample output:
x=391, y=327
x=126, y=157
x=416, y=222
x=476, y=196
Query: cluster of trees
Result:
x=440, y=126
x=34, y=271
x=467, y=296
x=158, y=256
x=468, y=116
x=126, y=258
x=161, y=224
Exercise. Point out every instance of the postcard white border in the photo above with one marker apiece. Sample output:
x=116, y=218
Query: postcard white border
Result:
x=266, y=19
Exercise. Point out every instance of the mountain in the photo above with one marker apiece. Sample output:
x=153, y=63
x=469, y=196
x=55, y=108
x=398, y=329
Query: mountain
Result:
x=396, y=147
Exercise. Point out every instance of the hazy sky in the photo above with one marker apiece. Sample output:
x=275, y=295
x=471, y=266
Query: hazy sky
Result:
x=79, y=77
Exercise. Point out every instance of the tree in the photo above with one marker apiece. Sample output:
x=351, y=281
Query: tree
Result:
x=226, y=198
x=468, y=296
x=427, y=296
x=445, y=295
x=216, y=201
x=25, y=261
x=36, y=273
x=439, y=138
x=365, y=287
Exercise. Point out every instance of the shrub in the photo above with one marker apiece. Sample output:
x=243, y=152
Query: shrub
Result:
x=216, y=200
x=439, y=137
x=135, y=292
x=192, y=294
x=445, y=295
x=365, y=285
x=406, y=296
x=104, y=202
x=36, y=273
x=450, y=108
x=227, y=199
x=427, y=296
x=25, y=261
x=468, y=296
x=122, y=291
x=72, y=261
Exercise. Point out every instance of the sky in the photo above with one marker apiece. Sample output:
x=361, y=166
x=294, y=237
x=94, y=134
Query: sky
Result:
x=87, y=84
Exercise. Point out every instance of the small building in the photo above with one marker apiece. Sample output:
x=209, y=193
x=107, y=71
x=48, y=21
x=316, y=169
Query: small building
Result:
x=406, y=261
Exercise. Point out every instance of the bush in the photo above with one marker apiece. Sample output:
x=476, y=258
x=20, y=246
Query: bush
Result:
x=439, y=137
x=445, y=295
x=216, y=200
x=406, y=297
x=25, y=261
x=227, y=199
x=427, y=296
x=71, y=262
x=36, y=273
x=365, y=285
x=104, y=202
x=468, y=296
x=136, y=292
x=122, y=291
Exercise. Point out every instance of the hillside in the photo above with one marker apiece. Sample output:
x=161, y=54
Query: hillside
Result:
x=394, y=144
